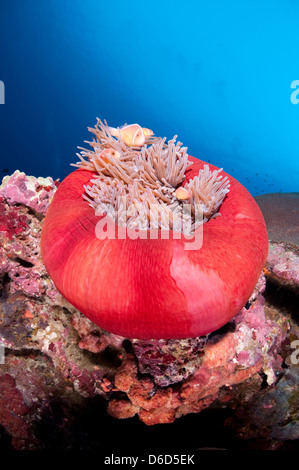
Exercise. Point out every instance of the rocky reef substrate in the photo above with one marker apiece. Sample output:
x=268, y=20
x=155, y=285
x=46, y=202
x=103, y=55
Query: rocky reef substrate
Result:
x=65, y=383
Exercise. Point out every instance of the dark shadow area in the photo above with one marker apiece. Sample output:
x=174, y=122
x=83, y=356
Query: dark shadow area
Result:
x=285, y=299
x=89, y=427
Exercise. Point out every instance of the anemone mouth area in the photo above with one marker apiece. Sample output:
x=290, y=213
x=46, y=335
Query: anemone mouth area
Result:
x=143, y=187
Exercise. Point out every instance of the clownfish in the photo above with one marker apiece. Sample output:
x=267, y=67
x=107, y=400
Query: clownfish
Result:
x=109, y=151
x=133, y=135
x=182, y=194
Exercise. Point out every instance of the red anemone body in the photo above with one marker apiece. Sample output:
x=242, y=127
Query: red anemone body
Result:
x=154, y=288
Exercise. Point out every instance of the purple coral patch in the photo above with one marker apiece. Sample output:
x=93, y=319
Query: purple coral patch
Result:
x=35, y=193
x=11, y=221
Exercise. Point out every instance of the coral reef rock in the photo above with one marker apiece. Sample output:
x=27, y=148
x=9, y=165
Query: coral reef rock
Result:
x=55, y=364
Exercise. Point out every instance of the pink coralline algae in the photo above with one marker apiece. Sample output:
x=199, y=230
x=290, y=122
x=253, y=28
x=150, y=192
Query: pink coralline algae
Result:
x=283, y=264
x=32, y=192
x=251, y=347
x=245, y=366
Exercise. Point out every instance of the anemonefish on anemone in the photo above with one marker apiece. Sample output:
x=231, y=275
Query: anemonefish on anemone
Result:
x=133, y=135
x=182, y=194
x=109, y=151
x=116, y=238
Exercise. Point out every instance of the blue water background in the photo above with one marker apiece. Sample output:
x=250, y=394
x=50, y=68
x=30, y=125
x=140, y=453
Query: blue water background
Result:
x=218, y=74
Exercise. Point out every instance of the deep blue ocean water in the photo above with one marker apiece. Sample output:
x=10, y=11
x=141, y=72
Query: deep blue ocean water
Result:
x=218, y=74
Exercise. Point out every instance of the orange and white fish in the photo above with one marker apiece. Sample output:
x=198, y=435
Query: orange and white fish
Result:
x=109, y=151
x=133, y=135
x=182, y=194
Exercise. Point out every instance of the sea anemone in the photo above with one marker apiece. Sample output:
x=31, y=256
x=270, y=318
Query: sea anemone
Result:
x=149, y=242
